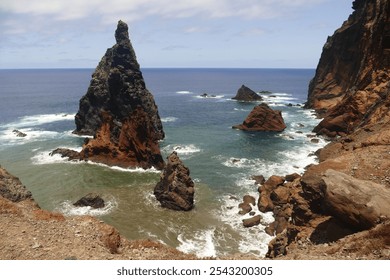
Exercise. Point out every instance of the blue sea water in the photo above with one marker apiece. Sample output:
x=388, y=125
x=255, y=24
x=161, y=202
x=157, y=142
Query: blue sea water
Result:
x=42, y=103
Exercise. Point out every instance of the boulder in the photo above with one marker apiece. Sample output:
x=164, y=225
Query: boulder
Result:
x=292, y=177
x=259, y=179
x=253, y=221
x=359, y=203
x=12, y=188
x=120, y=112
x=175, y=190
x=91, y=199
x=263, y=118
x=246, y=94
x=18, y=133
x=246, y=205
x=70, y=154
x=274, y=181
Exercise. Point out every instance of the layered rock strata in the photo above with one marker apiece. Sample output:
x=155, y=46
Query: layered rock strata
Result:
x=175, y=190
x=119, y=112
x=342, y=202
x=351, y=85
x=263, y=118
x=246, y=94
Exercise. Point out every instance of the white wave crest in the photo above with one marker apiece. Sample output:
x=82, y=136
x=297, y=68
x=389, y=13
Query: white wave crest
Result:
x=169, y=119
x=44, y=157
x=183, y=150
x=35, y=120
x=201, y=243
x=183, y=92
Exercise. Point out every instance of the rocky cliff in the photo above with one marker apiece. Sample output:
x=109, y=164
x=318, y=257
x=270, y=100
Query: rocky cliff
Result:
x=119, y=111
x=351, y=85
x=342, y=202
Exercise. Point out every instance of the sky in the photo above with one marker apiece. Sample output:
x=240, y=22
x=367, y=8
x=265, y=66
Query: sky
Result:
x=169, y=33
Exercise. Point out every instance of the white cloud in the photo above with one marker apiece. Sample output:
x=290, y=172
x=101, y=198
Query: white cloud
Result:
x=137, y=9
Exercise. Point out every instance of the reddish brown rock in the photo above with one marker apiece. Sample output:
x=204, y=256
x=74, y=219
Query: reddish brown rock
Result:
x=251, y=222
x=263, y=118
x=350, y=87
x=246, y=205
x=176, y=189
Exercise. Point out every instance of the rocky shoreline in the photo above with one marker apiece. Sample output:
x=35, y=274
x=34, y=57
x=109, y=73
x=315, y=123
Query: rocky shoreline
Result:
x=337, y=209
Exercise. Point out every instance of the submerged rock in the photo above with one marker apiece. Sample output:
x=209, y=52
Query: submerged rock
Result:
x=92, y=200
x=176, y=188
x=246, y=94
x=263, y=118
x=18, y=133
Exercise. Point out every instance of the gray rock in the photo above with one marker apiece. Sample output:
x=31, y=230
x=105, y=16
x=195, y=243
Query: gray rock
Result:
x=359, y=203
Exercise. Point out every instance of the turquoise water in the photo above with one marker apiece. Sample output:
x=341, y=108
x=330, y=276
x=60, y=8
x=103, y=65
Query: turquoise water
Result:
x=42, y=104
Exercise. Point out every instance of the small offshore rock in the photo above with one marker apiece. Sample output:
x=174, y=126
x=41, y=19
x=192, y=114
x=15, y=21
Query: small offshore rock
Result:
x=92, y=200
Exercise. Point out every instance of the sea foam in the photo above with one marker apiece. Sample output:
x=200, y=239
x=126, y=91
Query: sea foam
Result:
x=68, y=209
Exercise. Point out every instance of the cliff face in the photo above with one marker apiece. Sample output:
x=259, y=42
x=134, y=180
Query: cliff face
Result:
x=119, y=111
x=344, y=199
x=351, y=85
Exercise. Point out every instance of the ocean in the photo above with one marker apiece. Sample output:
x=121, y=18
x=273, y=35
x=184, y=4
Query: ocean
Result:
x=42, y=103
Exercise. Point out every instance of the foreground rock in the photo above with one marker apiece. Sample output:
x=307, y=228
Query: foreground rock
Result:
x=176, y=188
x=246, y=94
x=31, y=233
x=120, y=112
x=11, y=188
x=92, y=200
x=359, y=203
x=263, y=118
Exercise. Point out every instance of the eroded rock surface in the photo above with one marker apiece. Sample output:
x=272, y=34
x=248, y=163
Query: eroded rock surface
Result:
x=119, y=112
x=176, y=189
x=263, y=118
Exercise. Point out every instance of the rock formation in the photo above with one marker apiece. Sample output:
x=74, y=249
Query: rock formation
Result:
x=120, y=112
x=351, y=85
x=11, y=188
x=246, y=94
x=263, y=118
x=344, y=199
x=176, y=188
x=92, y=200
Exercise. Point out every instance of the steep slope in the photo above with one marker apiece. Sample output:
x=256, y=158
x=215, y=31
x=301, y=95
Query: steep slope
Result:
x=351, y=85
x=119, y=112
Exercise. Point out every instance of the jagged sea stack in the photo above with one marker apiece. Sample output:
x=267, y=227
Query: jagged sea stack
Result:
x=176, y=188
x=119, y=111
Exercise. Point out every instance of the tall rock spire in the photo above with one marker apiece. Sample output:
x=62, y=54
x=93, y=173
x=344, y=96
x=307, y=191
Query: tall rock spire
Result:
x=119, y=111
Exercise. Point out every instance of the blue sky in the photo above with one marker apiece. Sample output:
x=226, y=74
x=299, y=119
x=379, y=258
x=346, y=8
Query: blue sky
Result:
x=169, y=33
